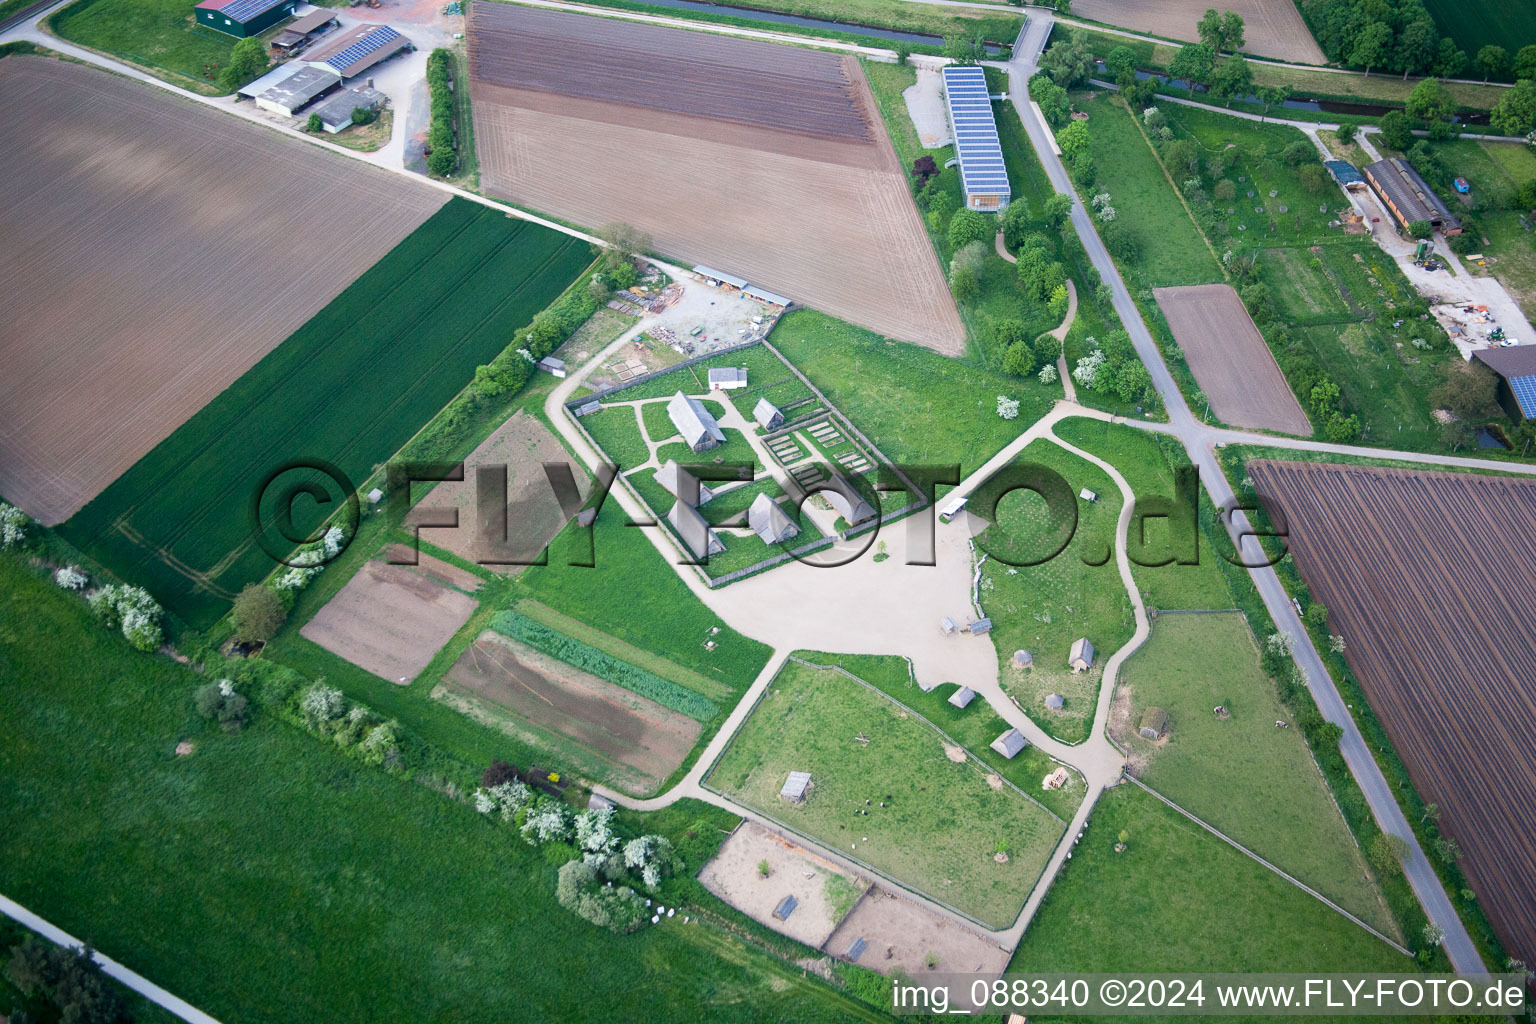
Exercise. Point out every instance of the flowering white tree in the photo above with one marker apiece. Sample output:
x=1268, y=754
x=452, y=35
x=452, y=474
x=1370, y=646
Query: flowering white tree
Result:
x=550, y=821
x=594, y=831
x=71, y=578
x=1087, y=369
x=1280, y=643
x=1106, y=214
x=1048, y=374
x=652, y=855
x=132, y=610
x=321, y=704
x=1007, y=408
x=13, y=525
x=1336, y=644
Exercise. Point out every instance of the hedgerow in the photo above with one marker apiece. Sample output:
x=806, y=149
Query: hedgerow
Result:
x=443, y=156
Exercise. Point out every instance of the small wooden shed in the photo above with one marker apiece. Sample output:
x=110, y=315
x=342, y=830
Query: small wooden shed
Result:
x=1081, y=657
x=1154, y=723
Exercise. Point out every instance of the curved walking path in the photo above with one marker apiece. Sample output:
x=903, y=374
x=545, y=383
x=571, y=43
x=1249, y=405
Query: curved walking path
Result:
x=1060, y=334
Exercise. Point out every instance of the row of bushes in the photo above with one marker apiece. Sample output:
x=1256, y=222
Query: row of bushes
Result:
x=621, y=673
x=442, y=151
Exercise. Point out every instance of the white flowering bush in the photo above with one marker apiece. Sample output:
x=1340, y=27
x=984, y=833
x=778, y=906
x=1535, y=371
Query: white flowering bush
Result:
x=1420, y=344
x=1087, y=369
x=1007, y=408
x=1106, y=214
x=1099, y=201
x=322, y=550
x=594, y=831
x=1336, y=644
x=1048, y=374
x=484, y=802
x=13, y=525
x=507, y=798
x=131, y=610
x=548, y=822
x=1280, y=643
x=652, y=855
x=322, y=704
x=71, y=578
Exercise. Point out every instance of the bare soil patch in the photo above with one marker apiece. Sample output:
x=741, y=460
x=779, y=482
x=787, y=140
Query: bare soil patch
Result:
x=428, y=565
x=389, y=620
x=643, y=740
x=733, y=875
x=157, y=250
x=811, y=207
x=532, y=513
x=1272, y=28
x=1420, y=571
x=901, y=934
x=1230, y=359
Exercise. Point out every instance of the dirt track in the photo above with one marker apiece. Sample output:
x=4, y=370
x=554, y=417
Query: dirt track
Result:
x=1230, y=359
x=1428, y=578
x=822, y=218
x=156, y=249
x=1272, y=28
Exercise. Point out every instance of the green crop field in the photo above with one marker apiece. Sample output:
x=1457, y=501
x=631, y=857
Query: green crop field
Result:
x=226, y=875
x=1179, y=899
x=1255, y=782
x=943, y=822
x=160, y=35
x=1478, y=23
x=1044, y=608
x=349, y=387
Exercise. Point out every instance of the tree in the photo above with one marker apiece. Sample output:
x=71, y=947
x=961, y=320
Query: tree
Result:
x=1299, y=152
x=1015, y=223
x=442, y=161
x=1057, y=209
x=1317, y=615
x=1469, y=392
x=1069, y=61
x=1387, y=853
x=1073, y=139
x=1019, y=360
x=1221, y=31
x=924, y=168
x=1052, y=99
x=1272, y=97
x=968, y=226
x=626, y=238
x=1120, y=241
x=1515, y=113
x=1525, y=62
x=1371, y=44
x=258, y=614
x=1395, y=130
x=1122, y=59
x=1430, y=101
x=1492, y=60
x=1224, y=190
x=963, y=283
x=1182, y=154
x=1193, y=63
x=962, y=50
x=1208, y=28
x=1313, y=178
x=247, y=60
x=314, y=124
x=1234, y=77
x=1138, y=92
x=1415, y=47
x=1346, y=132
x=1450, y=60
x=1232, y=31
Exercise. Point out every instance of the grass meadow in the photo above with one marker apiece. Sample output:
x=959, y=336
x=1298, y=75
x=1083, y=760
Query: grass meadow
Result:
x=942, y=824
x=349, y=387
x=1179, y=899
x=1255, y=782
x=267, y=876
x=160, y=35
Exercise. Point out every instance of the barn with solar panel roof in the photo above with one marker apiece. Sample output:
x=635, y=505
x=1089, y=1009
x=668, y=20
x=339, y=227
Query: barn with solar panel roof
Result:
x=982, y=172
x=1516, y=367
x=243, y=18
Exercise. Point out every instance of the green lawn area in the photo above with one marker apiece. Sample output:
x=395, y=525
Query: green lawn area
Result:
x=1147, y=462
x=225, y=875
x=659, y=426
x=1172, y=250
x=350, y=387
x=1044, y=608
x=618, y=433
x=927, y=409
x=1179, y=899
x=1477, y=23
x=1256, y=783
x=944, y=822
x=734, y=449
x=159, y=35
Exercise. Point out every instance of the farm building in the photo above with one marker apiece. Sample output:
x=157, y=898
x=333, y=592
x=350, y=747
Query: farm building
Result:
x=1055, y=701
x=694, y=531
x=962, y=697
x=699, y=429
x=764, y=295
x=549, y=364
x=335, y=113
x=947, y=626
x=1010, y=743
x=1345, y=173
x=769, y=522
x=1516, y=368
x=717, y=278
x=1408, y=196
x=1023, y=659
x=304, y=29
x=767, y=415
x=796, y=787
x=358, y=49
x=298, y=90
x=1081, y=656
x=848, y=502
x=1153, y=724
x=683, y=485
x=243, y=18
x=727, y=378
x=983, y=174
x=980, y=626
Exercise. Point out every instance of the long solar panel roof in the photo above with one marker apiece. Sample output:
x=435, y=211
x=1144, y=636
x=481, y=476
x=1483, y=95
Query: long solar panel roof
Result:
x=362, y=48
x=1525, y=394
x=970, y=112
x=244, y=10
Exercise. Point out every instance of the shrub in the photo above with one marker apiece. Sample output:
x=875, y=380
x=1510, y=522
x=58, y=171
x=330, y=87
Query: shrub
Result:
x=71, y=578
x=364, y=115
x=67, y=977
x=1019, y=360
x=619, y=909
x=1386, y=853
x=131, y=610
x=1121, y=242
x=258, y=614
x=322, y=704
x=314, y=124
x=381, y=743
x=1395, y=130
x=968, y=226
x=442, y=160
x=13, y=525
x=218, y=702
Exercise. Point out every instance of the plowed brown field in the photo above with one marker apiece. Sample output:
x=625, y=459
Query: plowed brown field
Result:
x=1272, y=28
x=1429, y=577
x=155, y=250
x=763, y=160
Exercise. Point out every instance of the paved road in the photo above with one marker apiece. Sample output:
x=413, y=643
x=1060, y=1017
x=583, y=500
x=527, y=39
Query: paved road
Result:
x=1198, y=440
